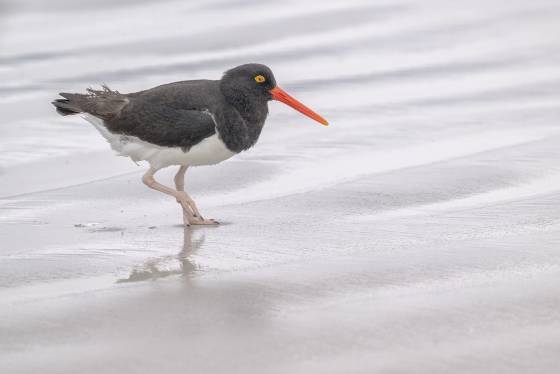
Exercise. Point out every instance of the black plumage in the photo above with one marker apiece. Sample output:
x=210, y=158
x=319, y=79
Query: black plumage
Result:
x=182, y=114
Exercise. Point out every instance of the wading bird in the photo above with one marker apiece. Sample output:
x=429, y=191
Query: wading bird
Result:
x=188, y=123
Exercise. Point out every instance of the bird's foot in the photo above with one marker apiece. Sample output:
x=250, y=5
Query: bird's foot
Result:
x=191, y=215
x=200, y=221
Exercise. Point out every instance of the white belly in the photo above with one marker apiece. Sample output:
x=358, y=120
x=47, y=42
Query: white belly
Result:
x=209, y=151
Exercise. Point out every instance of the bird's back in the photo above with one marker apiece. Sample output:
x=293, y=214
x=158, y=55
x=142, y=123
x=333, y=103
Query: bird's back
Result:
x=175, y=114
x=191, y=94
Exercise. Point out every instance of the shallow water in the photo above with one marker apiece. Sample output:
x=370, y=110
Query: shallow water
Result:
x=419, y=232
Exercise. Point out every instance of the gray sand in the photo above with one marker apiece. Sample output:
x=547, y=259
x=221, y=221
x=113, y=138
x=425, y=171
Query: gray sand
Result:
x=418, y=233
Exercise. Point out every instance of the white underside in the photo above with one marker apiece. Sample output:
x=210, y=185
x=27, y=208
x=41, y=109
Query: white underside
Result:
x=209, y=151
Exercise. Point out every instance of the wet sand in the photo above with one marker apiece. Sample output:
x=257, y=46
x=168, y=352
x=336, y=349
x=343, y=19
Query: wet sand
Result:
x=418, y=233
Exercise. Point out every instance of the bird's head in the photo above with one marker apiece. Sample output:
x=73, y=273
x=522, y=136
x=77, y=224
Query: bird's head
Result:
x=249, y=83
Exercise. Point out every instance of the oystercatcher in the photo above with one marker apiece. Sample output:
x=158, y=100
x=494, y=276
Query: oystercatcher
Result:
x=188, y=123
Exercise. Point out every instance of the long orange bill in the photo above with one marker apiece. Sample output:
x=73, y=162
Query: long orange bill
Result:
x=281, y=95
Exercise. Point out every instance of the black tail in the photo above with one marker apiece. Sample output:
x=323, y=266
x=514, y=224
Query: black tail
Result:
x=65, y=107
x=102, y=103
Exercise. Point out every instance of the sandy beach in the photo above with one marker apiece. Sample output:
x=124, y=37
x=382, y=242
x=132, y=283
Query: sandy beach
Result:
x=419, y=232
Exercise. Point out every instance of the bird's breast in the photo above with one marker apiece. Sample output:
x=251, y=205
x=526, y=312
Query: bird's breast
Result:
x=210, y=150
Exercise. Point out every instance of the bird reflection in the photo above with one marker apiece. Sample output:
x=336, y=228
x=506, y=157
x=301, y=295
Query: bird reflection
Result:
x=161, y=267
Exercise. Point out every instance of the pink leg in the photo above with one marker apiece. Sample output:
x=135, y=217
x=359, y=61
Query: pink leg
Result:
x=180, y=178
x=180, y=186
x=188, y=214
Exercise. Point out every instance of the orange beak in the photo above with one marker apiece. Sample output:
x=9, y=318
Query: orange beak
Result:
x=281, y=95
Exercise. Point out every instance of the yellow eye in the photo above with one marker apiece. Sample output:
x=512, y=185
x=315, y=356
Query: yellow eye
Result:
x=260, y=78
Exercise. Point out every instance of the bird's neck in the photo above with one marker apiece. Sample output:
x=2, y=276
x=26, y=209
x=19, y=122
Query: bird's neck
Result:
x=252, y=110
x=237, y=131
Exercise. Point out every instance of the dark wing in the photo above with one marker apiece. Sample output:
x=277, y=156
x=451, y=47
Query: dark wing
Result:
x=163, y=125
x=155, y=116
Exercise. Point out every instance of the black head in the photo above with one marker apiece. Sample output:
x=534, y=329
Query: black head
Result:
x=249, y=87
x=250, y=81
